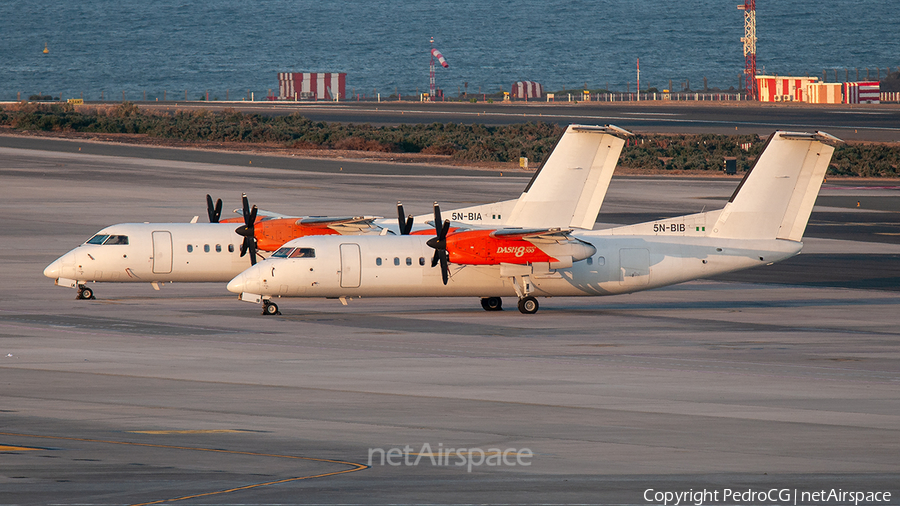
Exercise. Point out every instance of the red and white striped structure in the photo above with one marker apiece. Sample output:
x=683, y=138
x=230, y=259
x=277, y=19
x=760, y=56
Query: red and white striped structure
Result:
x=437, y=54
x=868, y=92
x=433, y=92
x=783, y=88
x=824, y=93
x=312, y=85
x=527, y=89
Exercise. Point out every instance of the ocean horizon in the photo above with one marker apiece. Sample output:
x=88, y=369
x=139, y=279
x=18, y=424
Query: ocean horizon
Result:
x=102, y=48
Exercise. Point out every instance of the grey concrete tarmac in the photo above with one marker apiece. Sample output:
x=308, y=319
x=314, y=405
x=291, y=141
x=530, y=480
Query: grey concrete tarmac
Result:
x=786, y=381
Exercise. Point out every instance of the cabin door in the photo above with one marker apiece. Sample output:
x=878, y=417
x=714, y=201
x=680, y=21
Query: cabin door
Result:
x=350, y=266
x=162, y=252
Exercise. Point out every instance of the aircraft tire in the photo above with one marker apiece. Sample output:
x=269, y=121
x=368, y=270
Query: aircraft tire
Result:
x=492, y=303
x=85, y=293
x=528, y=305
x=270, y=309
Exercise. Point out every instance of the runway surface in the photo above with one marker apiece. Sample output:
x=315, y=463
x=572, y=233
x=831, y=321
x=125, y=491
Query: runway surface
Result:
x=784, y=377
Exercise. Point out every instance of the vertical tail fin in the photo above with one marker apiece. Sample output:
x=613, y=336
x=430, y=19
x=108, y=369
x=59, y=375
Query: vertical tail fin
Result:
x=776, y=196
x=569, y=188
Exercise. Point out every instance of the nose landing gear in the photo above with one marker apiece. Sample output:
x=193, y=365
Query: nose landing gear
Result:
x=84, y=293
x=270, y=308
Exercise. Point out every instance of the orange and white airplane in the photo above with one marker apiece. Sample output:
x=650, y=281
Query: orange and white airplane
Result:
x=762, y=223
x=567, y=191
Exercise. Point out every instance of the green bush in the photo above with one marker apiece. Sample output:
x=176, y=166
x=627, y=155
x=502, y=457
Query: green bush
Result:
x=465, y=142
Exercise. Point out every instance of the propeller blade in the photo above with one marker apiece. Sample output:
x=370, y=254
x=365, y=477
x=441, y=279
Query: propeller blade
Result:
x=248, y=229
x=439, y=243
x=445, y=269
x=401, y=217
x=437, y=219
x=246, y=206
x=434, y=259
x=252, y=250
x=214, y=211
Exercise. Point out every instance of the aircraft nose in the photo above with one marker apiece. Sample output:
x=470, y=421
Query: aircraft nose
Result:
x=236, y=285
x=52, y=271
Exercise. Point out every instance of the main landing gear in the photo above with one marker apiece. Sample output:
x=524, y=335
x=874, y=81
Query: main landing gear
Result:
x=270, y=308
x=528, y=305
x=492, y=303
x=84, y=293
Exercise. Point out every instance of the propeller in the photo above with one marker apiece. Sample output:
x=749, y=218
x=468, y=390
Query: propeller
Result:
x=214, y=212
x=406, y=222
x=248, y=230
x=439, y=243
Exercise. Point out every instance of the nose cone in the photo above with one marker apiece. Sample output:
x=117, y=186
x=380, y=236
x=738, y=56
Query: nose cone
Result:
x=53, y=270
x=236, y=285
x=247, y=281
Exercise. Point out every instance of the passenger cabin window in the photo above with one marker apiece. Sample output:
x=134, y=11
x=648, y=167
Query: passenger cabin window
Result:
x=282, y=252
x=396, y=260
x=421, y=260
x=190, y=248
x=303, y=253
x=218, y=248
x=97, y=239
x=378, y=261
x=206, y=248
x=408, y=261
x=231, y=248
x=117, y=239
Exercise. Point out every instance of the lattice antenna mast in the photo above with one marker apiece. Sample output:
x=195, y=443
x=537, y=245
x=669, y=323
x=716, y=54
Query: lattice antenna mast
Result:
x=749, y=40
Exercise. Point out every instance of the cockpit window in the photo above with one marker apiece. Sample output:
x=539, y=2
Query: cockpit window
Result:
x=282, y=252
x=303, y=253
x=117, y=239
x=97, y=239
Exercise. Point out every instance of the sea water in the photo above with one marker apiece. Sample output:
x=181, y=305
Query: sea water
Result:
x=232, y=48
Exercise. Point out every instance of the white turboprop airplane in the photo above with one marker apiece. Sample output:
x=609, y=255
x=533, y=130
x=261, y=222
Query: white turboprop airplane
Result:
x=762, y=223
x=580, y=166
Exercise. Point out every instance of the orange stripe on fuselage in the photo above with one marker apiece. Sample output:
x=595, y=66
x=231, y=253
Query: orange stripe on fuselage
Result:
x=272, y=234
x=477, y=247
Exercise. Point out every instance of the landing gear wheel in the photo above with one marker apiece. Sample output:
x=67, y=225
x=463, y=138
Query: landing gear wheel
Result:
x=528, y=305
x=85, y=293
x=492, y=303
x=270, y=308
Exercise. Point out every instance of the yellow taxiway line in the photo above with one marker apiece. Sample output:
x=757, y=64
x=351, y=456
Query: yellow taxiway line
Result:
x=354, y=466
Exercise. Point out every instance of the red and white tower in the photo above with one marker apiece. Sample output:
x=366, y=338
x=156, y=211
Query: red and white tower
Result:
x=431, y=74
x=749, y=40
x=435, y=54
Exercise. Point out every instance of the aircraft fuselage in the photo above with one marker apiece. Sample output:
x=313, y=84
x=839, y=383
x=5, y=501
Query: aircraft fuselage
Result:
x=375, y=266
x=154, y=252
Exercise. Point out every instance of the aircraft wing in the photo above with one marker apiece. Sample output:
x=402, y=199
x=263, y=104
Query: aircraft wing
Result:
x=533, y=235
x=262, y=213
x=344, y=225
